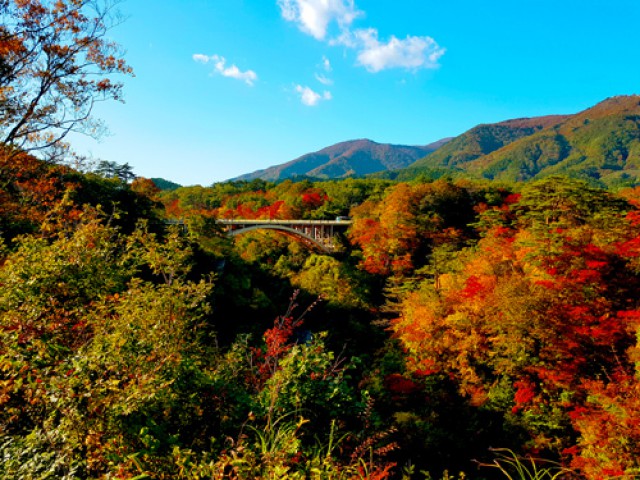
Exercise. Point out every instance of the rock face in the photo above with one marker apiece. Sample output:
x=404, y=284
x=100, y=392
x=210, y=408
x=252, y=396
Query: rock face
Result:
x=351, y=158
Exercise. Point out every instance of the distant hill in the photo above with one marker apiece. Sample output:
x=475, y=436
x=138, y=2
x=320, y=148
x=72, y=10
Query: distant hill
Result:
x=351, y=158
x=601, y=144
x=163, y=184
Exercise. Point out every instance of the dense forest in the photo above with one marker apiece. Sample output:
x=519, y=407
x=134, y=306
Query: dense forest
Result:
x=463, y=328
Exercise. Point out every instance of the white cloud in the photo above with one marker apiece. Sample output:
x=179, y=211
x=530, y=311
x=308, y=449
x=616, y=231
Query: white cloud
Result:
x=198, y=57
x=346, y=39
x=314, y=16
x=310, y=98
x=323, y=80
x=220, y=65
x=411, y=53
x=326, y=64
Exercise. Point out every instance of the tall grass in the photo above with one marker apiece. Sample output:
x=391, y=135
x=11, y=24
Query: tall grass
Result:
x=515, y=467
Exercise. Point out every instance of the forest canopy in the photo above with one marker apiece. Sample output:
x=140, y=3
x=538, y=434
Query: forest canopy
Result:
x=456, y=316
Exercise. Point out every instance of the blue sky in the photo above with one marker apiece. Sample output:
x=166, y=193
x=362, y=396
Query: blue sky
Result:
x=226, y=87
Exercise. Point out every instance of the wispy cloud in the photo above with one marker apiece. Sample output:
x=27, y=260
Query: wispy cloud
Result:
x=326, y=64
x=412, y=53
x=311, y=98
x=198, y=57
x=323, y=80
x=220, y=66
x=314, y=16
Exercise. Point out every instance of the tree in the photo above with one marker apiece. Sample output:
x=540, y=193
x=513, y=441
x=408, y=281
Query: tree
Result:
x=146, y=187
x=107, y=169
x=110, y=169
x=125, y=173
x=325, y=276
x=396, y=233
x=30, y=191
x=55, y=64
x=90, y=350
x=540, y=322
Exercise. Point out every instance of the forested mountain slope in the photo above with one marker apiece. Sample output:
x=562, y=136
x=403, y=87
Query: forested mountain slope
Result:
x=601, y=144
x=484, y=139
x=351, y=158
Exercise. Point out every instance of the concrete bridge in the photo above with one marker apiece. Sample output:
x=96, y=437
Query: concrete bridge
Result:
x=317, y=234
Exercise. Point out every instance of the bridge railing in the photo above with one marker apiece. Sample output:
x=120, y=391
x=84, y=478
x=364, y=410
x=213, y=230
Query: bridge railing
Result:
x=226, y=221
x=321, y=233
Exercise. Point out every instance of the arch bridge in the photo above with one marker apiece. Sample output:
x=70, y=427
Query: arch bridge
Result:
x=319, y=234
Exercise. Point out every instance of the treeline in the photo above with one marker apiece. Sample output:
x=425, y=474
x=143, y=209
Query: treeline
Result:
x=259, y=199
x=457, y=316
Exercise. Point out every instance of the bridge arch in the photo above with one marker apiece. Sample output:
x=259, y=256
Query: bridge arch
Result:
x=290, y=232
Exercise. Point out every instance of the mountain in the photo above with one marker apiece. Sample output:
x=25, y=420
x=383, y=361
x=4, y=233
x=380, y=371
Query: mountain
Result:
x=486, y=138
x=164, y=184
x=355, y=157
x=601, y=144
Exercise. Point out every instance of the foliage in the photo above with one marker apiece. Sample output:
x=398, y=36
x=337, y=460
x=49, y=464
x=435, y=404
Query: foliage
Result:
x=482, y=140
x=327, y=277
x=395, y=234
x=458, y=315
x=56, y=63
x=599, y=145
x=29, y=190
x=514, y=467
x=114, y=170
x=262, y=200
x=110, y=367
x=91, y=353
x=34, y=194
x=540, y=320
x=514, y=321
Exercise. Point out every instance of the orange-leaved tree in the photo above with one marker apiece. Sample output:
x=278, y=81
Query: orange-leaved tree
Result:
x=396, y=233
x=56, y=62
x=540, y=322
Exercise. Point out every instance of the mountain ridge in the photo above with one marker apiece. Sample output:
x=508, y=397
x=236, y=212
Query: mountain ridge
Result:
x=349, y=158
x=600, y=144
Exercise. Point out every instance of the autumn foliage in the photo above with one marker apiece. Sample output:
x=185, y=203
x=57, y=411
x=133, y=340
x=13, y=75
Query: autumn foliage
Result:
x=56, y=62
x=412, y=219
x=457, y=316
x=544, y=312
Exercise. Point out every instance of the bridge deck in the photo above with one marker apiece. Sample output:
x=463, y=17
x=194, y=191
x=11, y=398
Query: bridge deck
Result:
x=318, y=233
x=225, y=221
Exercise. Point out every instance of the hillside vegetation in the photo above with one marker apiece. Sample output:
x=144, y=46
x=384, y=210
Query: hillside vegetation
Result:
x=484, y=139
x=600, y=144
x=346, y=159
x=456, y=316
